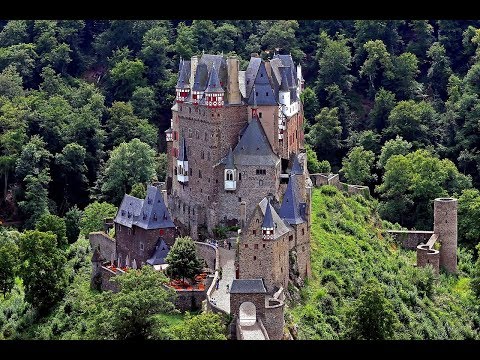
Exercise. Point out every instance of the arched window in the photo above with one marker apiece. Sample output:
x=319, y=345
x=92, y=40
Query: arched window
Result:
x=229, y=175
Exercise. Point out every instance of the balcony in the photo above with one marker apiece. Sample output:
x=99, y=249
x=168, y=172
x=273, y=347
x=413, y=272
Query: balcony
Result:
x=230, y=185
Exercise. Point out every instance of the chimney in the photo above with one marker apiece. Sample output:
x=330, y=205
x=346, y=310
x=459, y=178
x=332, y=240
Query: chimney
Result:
x=165, y=198
x=233, y=89
x=193, y=69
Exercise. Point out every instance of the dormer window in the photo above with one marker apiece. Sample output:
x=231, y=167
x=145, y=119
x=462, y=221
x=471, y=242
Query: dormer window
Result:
x=154, y=216
x=129, y=214
x=123, y=212
x=144, y=215
x=149, y=200
x=164, y=215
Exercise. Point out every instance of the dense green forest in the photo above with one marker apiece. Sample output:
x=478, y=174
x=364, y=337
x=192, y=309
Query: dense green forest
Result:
x=390, y=104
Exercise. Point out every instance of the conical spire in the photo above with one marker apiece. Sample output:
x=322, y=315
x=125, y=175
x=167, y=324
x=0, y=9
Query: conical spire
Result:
x=268, y=218
x=290, y=209
x=296, y=168
x=183, y=76
x=229, y=163
x=213, y=82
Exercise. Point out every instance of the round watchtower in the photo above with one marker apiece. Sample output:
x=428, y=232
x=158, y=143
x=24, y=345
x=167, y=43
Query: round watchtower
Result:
x=445, y=226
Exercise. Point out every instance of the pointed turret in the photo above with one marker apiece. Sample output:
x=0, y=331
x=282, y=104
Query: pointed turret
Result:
x=268, y=226
x=183, y=84
x=214, y=92
x=290, y=209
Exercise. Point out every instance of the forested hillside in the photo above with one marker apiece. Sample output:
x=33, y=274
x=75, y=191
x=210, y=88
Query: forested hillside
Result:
x=391, y=104
x=365, y=286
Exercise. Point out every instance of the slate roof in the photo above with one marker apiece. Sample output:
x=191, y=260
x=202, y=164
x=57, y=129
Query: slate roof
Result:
x=254, y=148
x=281, y=228
x=296, y=167
x=160, y=253
x=251, y=73
x=147, y=214
x=182, y=151
x=201, y=77
x=268, y=219
x=229, y=163
x=184, y=75
x=129, y=209
x=263, y=89
x=213, y=82
x=290, y=209
x=248, y=286
x=284, y=83
x=288, y=62
x=275, y=64
x=154, y=214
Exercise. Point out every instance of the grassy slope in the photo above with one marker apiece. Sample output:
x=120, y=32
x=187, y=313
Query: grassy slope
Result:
x=348, y=247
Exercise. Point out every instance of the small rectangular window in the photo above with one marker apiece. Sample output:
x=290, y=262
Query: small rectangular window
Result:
x=246, y=246
x=239, y=199
x=142, y=247
x=260, y=182
x=255, y=246
x=254, y=232
x=260, y=115
x=264, y=246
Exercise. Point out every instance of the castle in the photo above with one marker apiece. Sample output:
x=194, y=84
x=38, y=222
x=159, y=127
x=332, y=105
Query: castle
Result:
x=235, y=158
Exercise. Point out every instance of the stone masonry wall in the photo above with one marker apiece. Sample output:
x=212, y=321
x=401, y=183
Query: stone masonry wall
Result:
x=190, y=300
x=106, y=275
x=302, y=249
x=409, y=239
x=206, y=252
x=257, y=299
x=209, y=133
x=274, y=319
x=426, y=256
x=267, y=259
x=129, y=242
x=251, y=189
x=105, y=243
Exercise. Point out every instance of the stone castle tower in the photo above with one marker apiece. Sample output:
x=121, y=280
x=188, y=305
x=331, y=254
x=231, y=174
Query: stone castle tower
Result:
x=236, y=157
x=445, y=233
x=445, y=226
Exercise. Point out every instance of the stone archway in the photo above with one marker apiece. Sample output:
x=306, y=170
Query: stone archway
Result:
x=247, y=314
